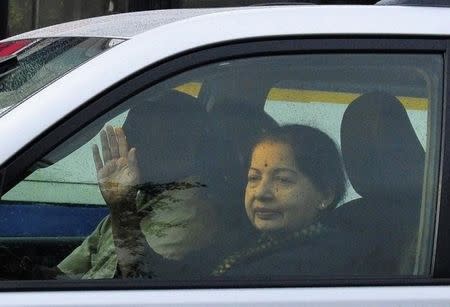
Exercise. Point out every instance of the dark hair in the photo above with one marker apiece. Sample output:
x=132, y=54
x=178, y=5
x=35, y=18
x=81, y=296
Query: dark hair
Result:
x=316, y=156
x=161, y=128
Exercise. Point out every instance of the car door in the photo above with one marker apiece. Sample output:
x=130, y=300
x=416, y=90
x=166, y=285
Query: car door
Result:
x=382, y=102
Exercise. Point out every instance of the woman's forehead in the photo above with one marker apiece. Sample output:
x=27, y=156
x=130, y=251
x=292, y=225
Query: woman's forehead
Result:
x=269, y=154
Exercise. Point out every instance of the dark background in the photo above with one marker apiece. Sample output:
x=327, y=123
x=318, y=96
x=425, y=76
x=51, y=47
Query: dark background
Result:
x=17, y=16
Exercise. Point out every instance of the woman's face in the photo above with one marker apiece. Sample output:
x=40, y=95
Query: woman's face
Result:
x=278, y=196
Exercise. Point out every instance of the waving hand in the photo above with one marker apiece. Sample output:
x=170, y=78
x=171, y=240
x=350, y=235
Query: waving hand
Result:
x=117, y=173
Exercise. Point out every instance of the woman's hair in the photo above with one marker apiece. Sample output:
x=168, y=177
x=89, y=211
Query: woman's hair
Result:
x=316, y=156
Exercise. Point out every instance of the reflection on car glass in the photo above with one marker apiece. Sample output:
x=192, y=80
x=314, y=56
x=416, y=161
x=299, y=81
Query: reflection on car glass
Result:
x=43, y=62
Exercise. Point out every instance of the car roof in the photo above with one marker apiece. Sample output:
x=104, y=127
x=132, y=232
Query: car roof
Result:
x=124, y=25
x=317, y=19
x=443, y=3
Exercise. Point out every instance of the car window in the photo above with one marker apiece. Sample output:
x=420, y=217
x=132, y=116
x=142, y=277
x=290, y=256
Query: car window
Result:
x=67, y=182
x=288, y=166
x=292, y=102
x=41, y=61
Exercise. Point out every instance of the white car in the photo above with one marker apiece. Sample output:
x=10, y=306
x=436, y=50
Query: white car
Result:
x=195, y=90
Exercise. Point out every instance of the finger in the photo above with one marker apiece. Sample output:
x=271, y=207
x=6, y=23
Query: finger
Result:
x=105, y=146
x=112, y=139
x=122, y=140
x=97, y=160
x=132, y=160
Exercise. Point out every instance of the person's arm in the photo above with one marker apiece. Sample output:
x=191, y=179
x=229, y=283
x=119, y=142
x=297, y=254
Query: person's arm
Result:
x=79, y=261
x=135, y=257
x=118, y=177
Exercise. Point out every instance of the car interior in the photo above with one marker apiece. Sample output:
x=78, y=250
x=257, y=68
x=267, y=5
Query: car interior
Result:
x=364, y=101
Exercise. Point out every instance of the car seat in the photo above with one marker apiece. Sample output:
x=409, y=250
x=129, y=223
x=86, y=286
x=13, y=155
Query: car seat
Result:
x=384, y=161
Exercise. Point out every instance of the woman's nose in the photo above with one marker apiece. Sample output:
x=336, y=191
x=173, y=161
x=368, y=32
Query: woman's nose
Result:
x=264, y=190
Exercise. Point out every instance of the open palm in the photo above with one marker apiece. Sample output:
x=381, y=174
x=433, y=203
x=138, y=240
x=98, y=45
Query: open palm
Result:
x=117, y=173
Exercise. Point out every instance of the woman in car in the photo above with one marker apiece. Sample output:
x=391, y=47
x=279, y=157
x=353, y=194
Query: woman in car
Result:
x=295, y=178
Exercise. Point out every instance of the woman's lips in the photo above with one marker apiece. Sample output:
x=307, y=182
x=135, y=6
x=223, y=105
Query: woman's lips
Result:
x=267, y=214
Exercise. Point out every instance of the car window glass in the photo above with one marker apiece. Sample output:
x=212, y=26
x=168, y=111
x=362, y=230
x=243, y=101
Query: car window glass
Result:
x=295, y=166
x=289, y=103
x=67, y=181
x=42, y=61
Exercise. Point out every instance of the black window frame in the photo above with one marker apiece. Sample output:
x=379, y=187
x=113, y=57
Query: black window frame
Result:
x=14, y=169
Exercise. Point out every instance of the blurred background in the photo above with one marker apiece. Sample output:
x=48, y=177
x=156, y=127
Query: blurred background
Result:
x=17, y=16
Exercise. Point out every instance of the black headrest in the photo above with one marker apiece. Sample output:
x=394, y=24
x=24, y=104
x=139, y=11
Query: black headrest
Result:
x=161, y=128
x=235, y=126
x=239, y=121
x=382, y=154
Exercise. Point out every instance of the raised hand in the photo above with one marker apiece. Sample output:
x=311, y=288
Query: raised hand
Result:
x=118, y=173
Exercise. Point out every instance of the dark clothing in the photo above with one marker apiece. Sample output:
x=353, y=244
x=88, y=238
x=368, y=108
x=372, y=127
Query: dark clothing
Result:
x=321, y=254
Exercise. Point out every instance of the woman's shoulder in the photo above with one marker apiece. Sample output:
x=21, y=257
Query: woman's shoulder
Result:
x=322, y=253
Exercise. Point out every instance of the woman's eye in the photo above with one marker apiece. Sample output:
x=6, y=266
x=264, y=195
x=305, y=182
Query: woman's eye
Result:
x=252, y=178
x=284, y=180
